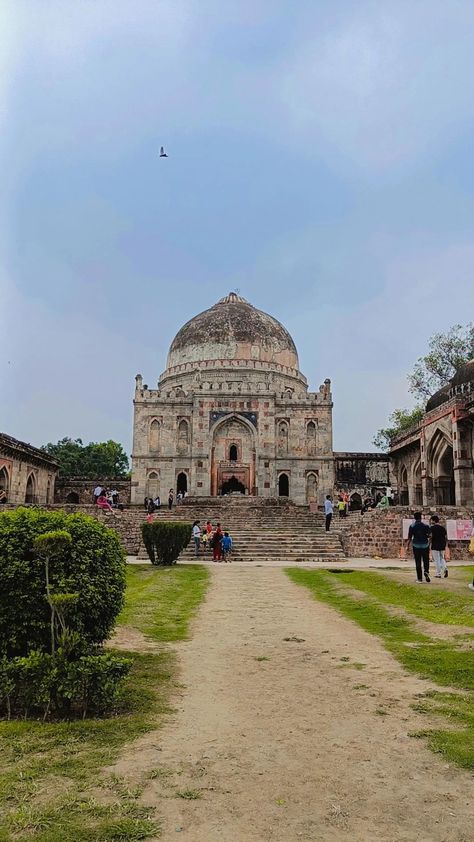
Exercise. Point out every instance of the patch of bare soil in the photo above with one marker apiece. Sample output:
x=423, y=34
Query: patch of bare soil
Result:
x=293, y=725
x=132, y=640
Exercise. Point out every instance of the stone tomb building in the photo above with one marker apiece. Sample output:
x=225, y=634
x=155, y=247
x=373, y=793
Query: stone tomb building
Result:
x=433, y=461
x=27, y=474
x=232, y=413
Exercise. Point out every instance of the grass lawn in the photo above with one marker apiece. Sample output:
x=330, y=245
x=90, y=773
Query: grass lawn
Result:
x=52, y=788
x=160, y=601
x=447, y=663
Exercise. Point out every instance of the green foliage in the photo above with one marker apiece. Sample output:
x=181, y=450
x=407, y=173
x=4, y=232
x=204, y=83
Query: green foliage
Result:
x=92, y=567
x=161, y=601
x=93, y=460
x=165, y=540
x=62, y=761
x=447, y=352
x=400, y=420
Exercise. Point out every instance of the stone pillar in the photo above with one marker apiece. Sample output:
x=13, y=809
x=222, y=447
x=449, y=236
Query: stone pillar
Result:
x=462, y=457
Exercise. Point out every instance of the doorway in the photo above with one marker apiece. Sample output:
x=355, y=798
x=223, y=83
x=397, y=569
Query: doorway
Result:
x=283, y=485
x=233, y=486
x=182, y=483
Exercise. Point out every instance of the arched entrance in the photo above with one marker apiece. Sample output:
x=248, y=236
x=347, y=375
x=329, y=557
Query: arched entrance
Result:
x=403, y=486
x=444, y=487
x=182, y=483
x=233, y=486
x=30, y=496
x=72, y=497
x=283, y=485
x=355, y=502
x=233, y=456
x=4, y=481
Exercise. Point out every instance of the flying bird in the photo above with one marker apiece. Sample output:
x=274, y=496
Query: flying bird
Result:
x=163, y=153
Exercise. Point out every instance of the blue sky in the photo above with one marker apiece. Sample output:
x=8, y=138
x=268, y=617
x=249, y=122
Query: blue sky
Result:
x=320, y=160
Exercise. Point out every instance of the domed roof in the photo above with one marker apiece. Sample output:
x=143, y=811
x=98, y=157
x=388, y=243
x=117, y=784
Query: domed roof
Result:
x=464, y=374
x=233, y=330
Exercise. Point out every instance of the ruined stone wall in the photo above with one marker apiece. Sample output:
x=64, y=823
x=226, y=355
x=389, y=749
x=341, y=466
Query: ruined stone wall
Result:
x=379, y=533
x=83, y=489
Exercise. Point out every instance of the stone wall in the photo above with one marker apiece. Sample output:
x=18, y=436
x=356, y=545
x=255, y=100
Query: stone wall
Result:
x=80, y=489
x=379, y=533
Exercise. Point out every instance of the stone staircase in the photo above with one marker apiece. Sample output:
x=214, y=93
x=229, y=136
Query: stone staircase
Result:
x=262, y=530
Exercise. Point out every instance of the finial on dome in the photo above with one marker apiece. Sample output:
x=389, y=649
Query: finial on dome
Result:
x=233, y=298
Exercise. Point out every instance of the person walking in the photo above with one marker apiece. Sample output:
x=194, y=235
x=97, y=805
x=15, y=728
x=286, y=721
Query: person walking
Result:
x=170, y=499
x=419, y=536
x=227, y=547
x=439, y=538
x=217, y=544
x=328, y=511
x=196, y=537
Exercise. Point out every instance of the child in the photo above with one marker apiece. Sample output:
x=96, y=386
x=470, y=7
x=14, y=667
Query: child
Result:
x=205, y=540
x=226, y=546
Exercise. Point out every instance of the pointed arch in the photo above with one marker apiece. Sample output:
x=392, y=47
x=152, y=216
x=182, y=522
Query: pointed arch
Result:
x=311, y=430
x=183, y=436
x=154, y=435
x=283, y=485
x=4, y=480
x=153, y=485
x=282, y=436
x=312, y=487
x=31, y=489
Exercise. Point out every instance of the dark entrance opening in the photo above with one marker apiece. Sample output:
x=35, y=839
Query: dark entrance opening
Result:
x=233, y=486
x=72, y=497
x=233, y=453
x=283, y=486
x=182, y=483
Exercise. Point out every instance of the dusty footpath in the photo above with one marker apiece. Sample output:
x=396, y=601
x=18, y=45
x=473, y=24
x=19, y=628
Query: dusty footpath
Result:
x=309, y=743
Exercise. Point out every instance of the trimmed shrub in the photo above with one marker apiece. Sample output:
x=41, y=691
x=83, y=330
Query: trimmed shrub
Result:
x=92, y=568
x=42, y=684
x=164, y=540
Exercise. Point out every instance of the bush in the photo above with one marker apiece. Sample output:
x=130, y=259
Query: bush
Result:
x=43, y=684
x=164, y=540
x=92, y=568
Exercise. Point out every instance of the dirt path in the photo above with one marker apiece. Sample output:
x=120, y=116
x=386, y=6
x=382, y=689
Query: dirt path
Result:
x=293, y=748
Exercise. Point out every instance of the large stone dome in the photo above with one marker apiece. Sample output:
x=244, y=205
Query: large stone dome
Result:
x=233, y=330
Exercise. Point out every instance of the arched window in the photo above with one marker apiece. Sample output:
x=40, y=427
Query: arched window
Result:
x=183, y=436
x=233, y=453
x=283, y=485
x=30, y=496
x=311, y=438
x=4, y=482
x=283, y=437
x=154, y=435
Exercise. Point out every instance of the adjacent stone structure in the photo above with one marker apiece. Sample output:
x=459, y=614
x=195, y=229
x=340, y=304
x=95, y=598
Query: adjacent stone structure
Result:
x=80, y=490
x=433, y=461
x=27, y=474
x=362, y=475
x=232, y=412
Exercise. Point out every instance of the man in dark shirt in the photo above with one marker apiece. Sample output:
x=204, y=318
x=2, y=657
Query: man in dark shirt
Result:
x=419, y=537
x=438, y=546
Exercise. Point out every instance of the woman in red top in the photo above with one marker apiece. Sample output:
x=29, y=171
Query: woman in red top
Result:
x=217, y=543
x=103, y=503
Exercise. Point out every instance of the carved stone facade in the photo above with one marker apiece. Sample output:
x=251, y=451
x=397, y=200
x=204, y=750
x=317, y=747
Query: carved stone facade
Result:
x=232, y=413
x=27, y=474
x=433, y=461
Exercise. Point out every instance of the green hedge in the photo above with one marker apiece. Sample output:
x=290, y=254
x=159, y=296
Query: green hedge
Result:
x=93, y=567
x=165, y=540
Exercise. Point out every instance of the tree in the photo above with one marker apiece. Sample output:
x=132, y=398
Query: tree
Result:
x=400, y=420
x=93, y=460
x=447, y=352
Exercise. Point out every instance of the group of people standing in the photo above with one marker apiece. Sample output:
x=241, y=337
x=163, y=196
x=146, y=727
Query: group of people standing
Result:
x=153, y=504
x=216, y=539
